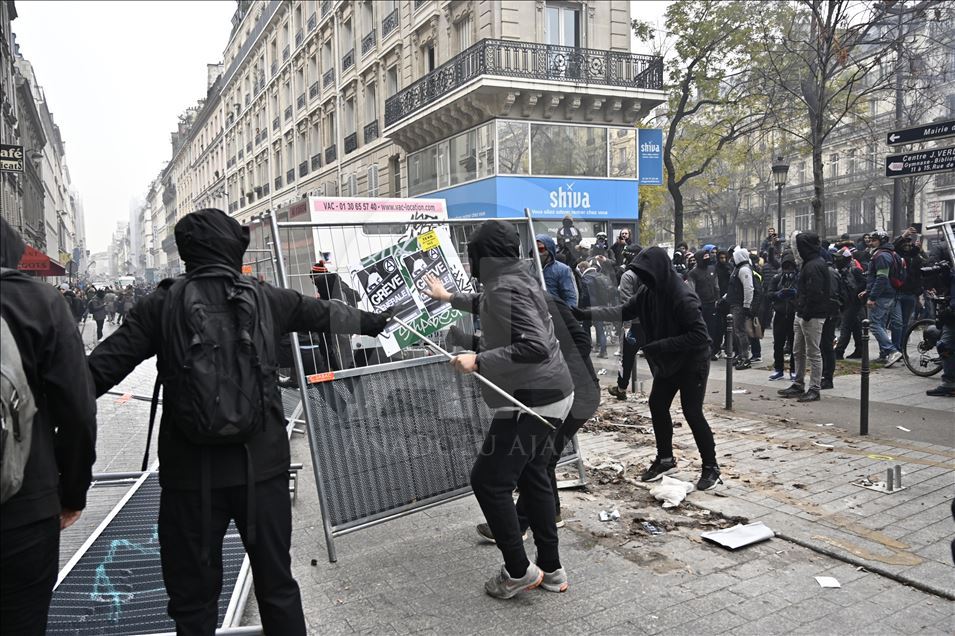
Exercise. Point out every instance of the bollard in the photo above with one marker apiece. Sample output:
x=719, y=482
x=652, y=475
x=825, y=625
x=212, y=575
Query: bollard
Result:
x=898, y=476
x=888, y=480
x=729, y=362
x=864, y=397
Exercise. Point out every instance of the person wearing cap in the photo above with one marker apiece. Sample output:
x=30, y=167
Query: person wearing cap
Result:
x=601, y=246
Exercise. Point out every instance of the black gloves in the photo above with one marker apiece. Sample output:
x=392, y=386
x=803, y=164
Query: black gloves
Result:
x=457, y=338
x=373, y=324
x=581, y=314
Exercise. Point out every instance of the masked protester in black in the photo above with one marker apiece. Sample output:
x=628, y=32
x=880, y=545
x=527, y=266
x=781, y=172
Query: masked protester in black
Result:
x=211, y=238
x=519, y=353
x=678, y=351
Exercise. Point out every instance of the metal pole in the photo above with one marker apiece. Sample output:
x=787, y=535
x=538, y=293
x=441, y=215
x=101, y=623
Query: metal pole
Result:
x=779, y=209
x=537, y=259
x=864, y=397
x=303, y=385
x=504, y=394
x=897, y=213
x=729, y=362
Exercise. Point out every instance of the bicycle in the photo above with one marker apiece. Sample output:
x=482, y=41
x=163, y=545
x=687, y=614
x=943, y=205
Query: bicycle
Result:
x=919, y=341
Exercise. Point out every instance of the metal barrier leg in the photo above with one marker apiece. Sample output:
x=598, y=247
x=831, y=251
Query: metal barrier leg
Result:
x=729, y=362
x=864, y=385
x=303, y=387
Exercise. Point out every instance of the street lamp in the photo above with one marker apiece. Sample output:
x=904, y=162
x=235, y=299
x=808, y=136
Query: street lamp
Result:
x=780, y=171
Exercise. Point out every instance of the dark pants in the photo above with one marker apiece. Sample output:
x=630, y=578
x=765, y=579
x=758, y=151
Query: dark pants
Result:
x=29, y=558
x=826, y=348
x=99, y=328
x=194, y=587
x=690, y=381
x=782, y=340
x=850, y=327
x=628, y=358
x=516, y=453
x=712, y=325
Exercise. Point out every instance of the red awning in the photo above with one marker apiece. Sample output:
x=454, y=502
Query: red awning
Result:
x=37, y=263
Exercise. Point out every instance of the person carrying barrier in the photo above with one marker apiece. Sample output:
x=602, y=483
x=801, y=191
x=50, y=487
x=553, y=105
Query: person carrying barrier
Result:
x=214, y=332
x=518, y=352
x=678, y=351
x=49, y=437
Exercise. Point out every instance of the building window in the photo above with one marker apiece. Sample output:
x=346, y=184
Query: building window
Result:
x=834, y=165
x=513, y=140
x=423, y=171
x=373, y=181
x=427, y=58
x=391, y=80
x=804, y=217
x=394, y=170
x=463, y=33
x=851, y=162
x=868, y=211
x=568, y=151
x=563, y=24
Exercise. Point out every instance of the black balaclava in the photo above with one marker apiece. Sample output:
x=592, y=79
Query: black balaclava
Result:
x=211, y=237
x=492, y=246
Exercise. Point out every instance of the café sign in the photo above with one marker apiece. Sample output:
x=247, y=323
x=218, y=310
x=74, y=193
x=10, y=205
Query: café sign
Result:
x=11, y=158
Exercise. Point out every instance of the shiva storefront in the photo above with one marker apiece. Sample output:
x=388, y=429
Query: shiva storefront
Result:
x=501, y=167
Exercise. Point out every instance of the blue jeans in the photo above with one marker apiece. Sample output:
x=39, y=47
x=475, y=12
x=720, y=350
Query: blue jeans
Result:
x=601, y=337
x=907, y=304
x=886, y=314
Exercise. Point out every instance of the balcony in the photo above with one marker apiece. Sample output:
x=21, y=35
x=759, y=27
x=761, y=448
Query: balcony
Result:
x=288, y=112
x=314, y=90
x=278, y=183
x=389, y=23
x=348, y=60
x=290, y=176
x=300, y=101
x=548, y=76
x=351, y=142
x=331, y=153
x=316, y=162
x=299, y=38
x=371, y=131
x=328, y=78
x=368, y=42
x=419, y=3
x=275, y=67
x=303, y=169
x=286, y=52
x=275, y=123
x=326, y=7
x=312, y=22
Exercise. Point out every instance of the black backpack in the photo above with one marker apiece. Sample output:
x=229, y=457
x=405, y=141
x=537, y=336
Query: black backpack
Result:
x=218, y=357
x=838, y=291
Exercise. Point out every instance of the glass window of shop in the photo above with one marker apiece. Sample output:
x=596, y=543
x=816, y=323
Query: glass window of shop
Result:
x=623, y=153
x=568, y=151
x=423, y=171
x=513, y=142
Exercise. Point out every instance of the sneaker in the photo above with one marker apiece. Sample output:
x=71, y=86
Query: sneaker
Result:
x=792, y=377
x=812, y=395
x=501, y=585
x=855, y=355
x=617, y=392
x=755, y=359
x=892, y=358
x=777, y=375
x=484, y=531
x=942, y=391
x=794, y=391
x=602, y=354
x=555, y=581
x=880, y=360
x=826, y=384
x=559, y=522
x=617, y=353
x=742, y=365
x=658, y=469
x=714, y=358
x=709, y=478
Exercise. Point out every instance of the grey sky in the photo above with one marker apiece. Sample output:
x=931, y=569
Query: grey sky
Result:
x=116, y=75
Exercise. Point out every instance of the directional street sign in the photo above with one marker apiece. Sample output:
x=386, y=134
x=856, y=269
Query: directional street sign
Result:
x=926, y=132
x=924, y=162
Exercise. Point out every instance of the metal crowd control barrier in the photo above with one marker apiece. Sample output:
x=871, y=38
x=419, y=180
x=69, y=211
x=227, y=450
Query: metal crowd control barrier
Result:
x=387, y=436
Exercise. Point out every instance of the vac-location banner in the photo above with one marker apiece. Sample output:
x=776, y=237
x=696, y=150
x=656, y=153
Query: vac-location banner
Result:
x=395, y=278
x=650, y=156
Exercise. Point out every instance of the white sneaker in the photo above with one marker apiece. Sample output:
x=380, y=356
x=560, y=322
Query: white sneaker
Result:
x=892, y=358
x=503, y=586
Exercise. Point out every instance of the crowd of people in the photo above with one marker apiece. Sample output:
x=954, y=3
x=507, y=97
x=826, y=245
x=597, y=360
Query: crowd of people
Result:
x=103, y=305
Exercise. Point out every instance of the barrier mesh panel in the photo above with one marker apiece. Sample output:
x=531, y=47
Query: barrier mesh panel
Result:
x=396, y=439
x=116, y=587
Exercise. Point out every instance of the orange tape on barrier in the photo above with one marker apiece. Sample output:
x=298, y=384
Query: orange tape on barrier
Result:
x=321, y=377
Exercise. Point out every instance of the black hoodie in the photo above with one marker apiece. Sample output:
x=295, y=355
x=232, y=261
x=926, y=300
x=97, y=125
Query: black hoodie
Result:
x=63, y=447
x=669, y=312
x=210, y=237
x=519, y=352
x=812, y=289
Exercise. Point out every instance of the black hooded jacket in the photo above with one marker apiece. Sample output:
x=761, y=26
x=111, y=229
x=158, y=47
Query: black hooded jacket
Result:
x=519, y=351
x=669, y=312
x=210, y=237
x=812, y=288
x=703, y=280
x=63, y=448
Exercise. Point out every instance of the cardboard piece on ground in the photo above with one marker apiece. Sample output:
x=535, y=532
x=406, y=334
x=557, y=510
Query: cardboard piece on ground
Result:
x=827, y=581
x=740, y=535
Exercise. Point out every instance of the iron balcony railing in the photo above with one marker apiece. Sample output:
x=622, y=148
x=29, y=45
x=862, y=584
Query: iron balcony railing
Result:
x=299, y=38
x=389, y=23
x=314, y=89
x=527, y=60
x=278, y=183
x=275, y=123
x=316, y=162
x=348, y=60
x=368, y=42
x=288, y=112
x=312, y=22
x=351, y=142
x=300, y=102
x=328, y=78
x=371, y=131
x=303, y=169
x=331, y=153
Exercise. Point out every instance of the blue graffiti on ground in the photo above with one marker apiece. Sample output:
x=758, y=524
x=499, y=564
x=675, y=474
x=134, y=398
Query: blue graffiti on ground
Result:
x=104, y=590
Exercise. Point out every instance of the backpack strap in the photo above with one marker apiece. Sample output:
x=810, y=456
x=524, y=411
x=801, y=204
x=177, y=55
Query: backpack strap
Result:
x=152, y=420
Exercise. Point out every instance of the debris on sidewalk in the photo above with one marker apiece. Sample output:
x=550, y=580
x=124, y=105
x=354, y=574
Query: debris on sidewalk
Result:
x=740, y=535
x=740, y=391
x=902, y=428
x=827, y=581
x=671, y=491
x=652, y=529
x=613, y=515
x=821, y=445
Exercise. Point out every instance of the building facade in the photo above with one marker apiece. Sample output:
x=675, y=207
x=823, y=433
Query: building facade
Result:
x=10, y=195
x=417, y=98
